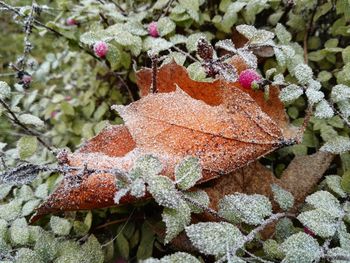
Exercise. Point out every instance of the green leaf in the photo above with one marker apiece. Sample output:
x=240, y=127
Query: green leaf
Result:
x=346, y=55
x=191, y=43
x=284, y=198
x=10, y=211
x=145, y=247
x=272, y=249
x=176, y=220
x=250, y=209
x=28, y=208
x=340, y=92
x=320, y=222
x=338, y=145
x=333, y=182
x=345, y=181
x=173, y=258
x=5, y=90
x=46, y=246
x=156, y=44
x=27, y=146
x=213, y=238
x=165, y=26
x=163, y=191
x=25, y=255
x=92, y=251
x=122, y=246
x=67, y=108
x=31, y=120
x=146, y=165
x=60, y=226
x=301, y=248
x=196, y=71
x=323, y=110
x=283, y=34
x=290, y=93
x=5, y=189
x=19, y=232
x=247, y=30
x=303, y=73
x=325, y=201
x=113, y=56
x=199, y=196
x=188, y=172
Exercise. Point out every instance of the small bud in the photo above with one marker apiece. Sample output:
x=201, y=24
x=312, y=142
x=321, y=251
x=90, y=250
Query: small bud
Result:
x=153, y=29
x=204, y=49
x=71, y=22
x=26, y=79
x=248, y=77
x=101, y=49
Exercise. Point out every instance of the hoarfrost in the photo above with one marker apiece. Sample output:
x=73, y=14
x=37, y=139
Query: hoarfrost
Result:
x=337, y=145
x=290, y=93
x=340, y=92
x=303, y=73
x=323, y=110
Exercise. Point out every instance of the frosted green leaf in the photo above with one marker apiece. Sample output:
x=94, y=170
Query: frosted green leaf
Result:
x=333, y=182
x=337, y=145
x=190, y=4
x=226, y=44
x=283, y=34
x=25, y=193
x=165, y=26
x=338, y=253
x=340, y=92
x=34, y=233
x=46, y=246
x=67, y=108
x=5, y=189
x=314, y=84
x=174, y=258
x=345, y=181
x=29, y=207
x=270, y=72
x=19, y=232
x=314, y=96
x=138, y=188
x=31, y=120
x=248, y=57
x=199, y=196
x=3, y=229
x=303, y=73
x=214, y=238
x=25, y=255
x=290, y=93
x=188, y=172
x=60, y=226
x=160, y=4
x=80, y=228
x=42, y=191
x=323, y=110
x=301, y=248
x=278, y=79
x=247, y=30
x=250, y=209
x=284, y=198
x=272, y=249
x=4, y=249
x=191, y=43
x=261, y=37
x=135, y=28
x=280, y=56
x=147, y=165
x=5, y=90
x=11, y=210
x=90, y=38
x=156, y=44
x=177, y=56
x=119, y=194
x=92, y=251
x=344, y=107
x=113, y=56
x=230, y=16
x=320, y=222
x=196, y=71
x=27, y=146
x=325, y=201
x=163, y=191
x=176, y=220
x=178, y=39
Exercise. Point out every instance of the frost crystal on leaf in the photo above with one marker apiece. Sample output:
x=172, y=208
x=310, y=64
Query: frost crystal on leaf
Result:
x=25, y=255
x=314, y=84
x=119, y=194
x=290, y=93
x=247, y=30
x=333, y=182
x=60, y=226
x=337, y=145
x=303, y=73
x=138, y=188
x=214, y=238
x=340, y=92
x=325, y=201
x=199, y=196
x=176, y=257
x=227, y=45
x=163, y=191
x=323, y=110
x=284, y=198
x=301, y=248
x=19, y=232
x=188, y=172
x=148, y=165
x=314, y=96
x=5, y=90
x=250, y=209
x=248, y=57
x=11, y=210
x=176, y=220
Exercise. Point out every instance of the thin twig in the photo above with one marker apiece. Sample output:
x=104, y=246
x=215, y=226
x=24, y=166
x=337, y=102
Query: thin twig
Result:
x=308, y=114
x=154, y=59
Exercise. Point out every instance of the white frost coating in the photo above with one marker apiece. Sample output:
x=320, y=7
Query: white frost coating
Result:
x=338, y=145
x=314, y=96
x=214, y=238
x=323, y=110
x=247, y=30
x=325, y=201
x=303, y=73
x=344, y=107
x=290, y=93
x=340, y=92
x=120, y=193
x=5, y=90
x=248, y=57
x=284, y=198
x=314, y=84
x=226, y=44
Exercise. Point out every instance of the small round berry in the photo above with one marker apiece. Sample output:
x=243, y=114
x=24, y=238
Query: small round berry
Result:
x=27, y=79
x=68, y=98
x=248, y=77
x=101, y=49
x=153, y=29
x=71, y=22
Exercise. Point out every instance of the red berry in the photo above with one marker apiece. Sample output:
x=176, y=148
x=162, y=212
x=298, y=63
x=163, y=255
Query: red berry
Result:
x=27, y=79
x=101, y=49
x=248, y=77
x=153, y=29
x=71, y=22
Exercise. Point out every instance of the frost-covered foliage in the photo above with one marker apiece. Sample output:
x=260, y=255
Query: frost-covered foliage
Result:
x=59, y=90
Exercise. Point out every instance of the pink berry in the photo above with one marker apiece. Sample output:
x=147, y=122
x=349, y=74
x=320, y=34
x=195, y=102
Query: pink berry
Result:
x=153, y=29
x=27, y=79
x=309, y=232
x=71, y=22
x=101, y=49
x=68, y=98
x=247, y=78
x=53, y=114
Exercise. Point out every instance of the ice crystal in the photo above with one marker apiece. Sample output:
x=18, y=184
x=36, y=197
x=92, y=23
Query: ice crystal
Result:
x=303, y=73
x=214, y=238
x=138, y=188
x=290, y=93
x=31, y=120
x=284, y=229
x=301, y=248
x=5, y=90
x=333, y=182
x=46, y=246
x=42, y=191
x=120, y=193
x=323, y=110
x=227, y=45
x=284, y=198
x=60, y=226
x=199, y=196
x=314, y=96
x=319, y=222
x=250, y=209
x=325, y=201
x=249, y=58
x=163, y=191
x=176, y=220
x=176, y=257
x=340, y=92
x=337, y=145
x=188, y=172
x=11, y=210
x=314, y=84
x=25, y=255
x=344, y=107
x=19, y=232
x=29, y=207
